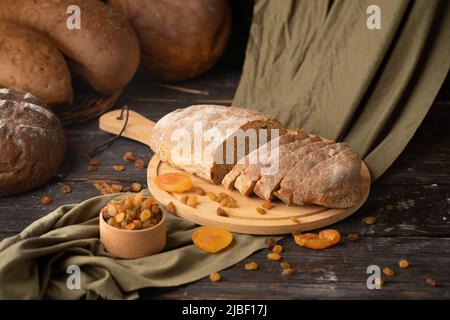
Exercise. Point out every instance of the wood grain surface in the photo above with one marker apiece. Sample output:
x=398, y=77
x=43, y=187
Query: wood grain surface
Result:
x=411, y=203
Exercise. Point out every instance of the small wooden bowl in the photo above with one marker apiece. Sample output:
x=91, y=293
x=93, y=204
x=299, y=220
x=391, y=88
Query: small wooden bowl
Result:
x=131, y=244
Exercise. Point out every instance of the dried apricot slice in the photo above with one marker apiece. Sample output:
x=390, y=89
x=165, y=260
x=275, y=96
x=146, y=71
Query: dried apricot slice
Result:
x=174, y=182
x=319, y=241
x=212, y=239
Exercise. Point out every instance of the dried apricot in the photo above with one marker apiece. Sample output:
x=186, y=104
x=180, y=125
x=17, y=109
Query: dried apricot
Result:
x=174, y=182
x=212, y=239
x=319, y=241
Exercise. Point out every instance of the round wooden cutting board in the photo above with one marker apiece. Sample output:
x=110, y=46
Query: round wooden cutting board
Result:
x=244, y=218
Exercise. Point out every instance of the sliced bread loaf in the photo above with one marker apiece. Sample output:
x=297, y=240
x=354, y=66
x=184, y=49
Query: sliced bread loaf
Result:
x=252, y=173
x=268, y=184
x=334, y=183
x=293, y=135
x=296, y=174
x=208, y=140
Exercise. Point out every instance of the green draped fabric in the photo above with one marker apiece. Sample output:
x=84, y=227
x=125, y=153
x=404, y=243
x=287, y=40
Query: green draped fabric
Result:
x=315, y=64
x=34, y=263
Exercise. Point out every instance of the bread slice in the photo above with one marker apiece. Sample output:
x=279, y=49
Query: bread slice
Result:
x=208, y=140
x=268, y=184
x=335, y=183
x=293, y=135
x=252, y=173
x=294, y=177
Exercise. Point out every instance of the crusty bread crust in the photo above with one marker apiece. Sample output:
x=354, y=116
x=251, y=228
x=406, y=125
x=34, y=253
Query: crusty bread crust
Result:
x=29, y=62
x=293, y=135
x=104, y=52
x=222, y=122
x=32, y=142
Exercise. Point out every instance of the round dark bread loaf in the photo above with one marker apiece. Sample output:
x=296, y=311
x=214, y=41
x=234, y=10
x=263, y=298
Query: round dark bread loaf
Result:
x=32, y=143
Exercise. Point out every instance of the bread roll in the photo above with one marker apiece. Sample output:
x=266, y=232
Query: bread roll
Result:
x=104, y=52
x=174, y=138
x=32, y=143
x=29, y=62
x=179, y=39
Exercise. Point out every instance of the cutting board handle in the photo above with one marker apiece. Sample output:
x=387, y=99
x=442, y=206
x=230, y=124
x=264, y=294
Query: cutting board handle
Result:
x=138, y=128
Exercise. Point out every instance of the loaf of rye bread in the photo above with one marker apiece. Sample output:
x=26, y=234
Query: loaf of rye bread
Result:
x=32, y=143
x=29, y=62
x=175, y=138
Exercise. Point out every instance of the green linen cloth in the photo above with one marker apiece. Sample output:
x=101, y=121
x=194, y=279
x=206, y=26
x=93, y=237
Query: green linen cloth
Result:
x=315, y=64
x=33, y=264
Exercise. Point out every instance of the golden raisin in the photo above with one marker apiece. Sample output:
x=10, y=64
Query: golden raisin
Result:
x=131, y=226
x=285, y=265
x=120, y=217
x=215, y=277
x=94, y=162
x=224, y=202
x=129, y=157
x=66, y=189
x=139, y=164
x=155, y=209
x=403, y=264
x=192, y=201
x=352, y=237
x=119, y=168
x=212, y=196
x=389, y=272
x=267, y=205
x=431, y=282
x=221, y=212
x=199, y=191
x=145, y=215
x=184, y=198
x=251, y=266
x=170, y=207
x=278, y=248
x=46, y=200
x=232, y=203
x=261, y=210
x=136, y=187
x=272, y=256
x=91, y=168
x=138, y=224
x=288, y=272
x=294, y=219
x=370, y=220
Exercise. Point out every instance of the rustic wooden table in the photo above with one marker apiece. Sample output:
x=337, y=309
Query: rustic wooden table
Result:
x=416, y=228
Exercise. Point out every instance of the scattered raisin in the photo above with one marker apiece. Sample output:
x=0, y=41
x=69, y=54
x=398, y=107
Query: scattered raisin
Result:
x=221, y=212
x=119, y=168
x=272, y=256
x=170, y=207
x=115, y=188
x=129, y=157
x=431, y=282
x=285, y=265
x=66, y=189
x=46, y=200
x=199, y=191
x=370, y=220
x=251, y=266
x=184, y=198
x=215, y=277
x=212, y=196
x=91, y=168
x=261, y=210
x=94, y=162
x=352, y=237
x=192, y=201
x=403, y=264
x=389, y=272
x=294, y=219
x=267, y=205
x=136, y=187
x=120, y=217
x=278, y=248
x=224, y=202
x=288, y=272
x=139, y=164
